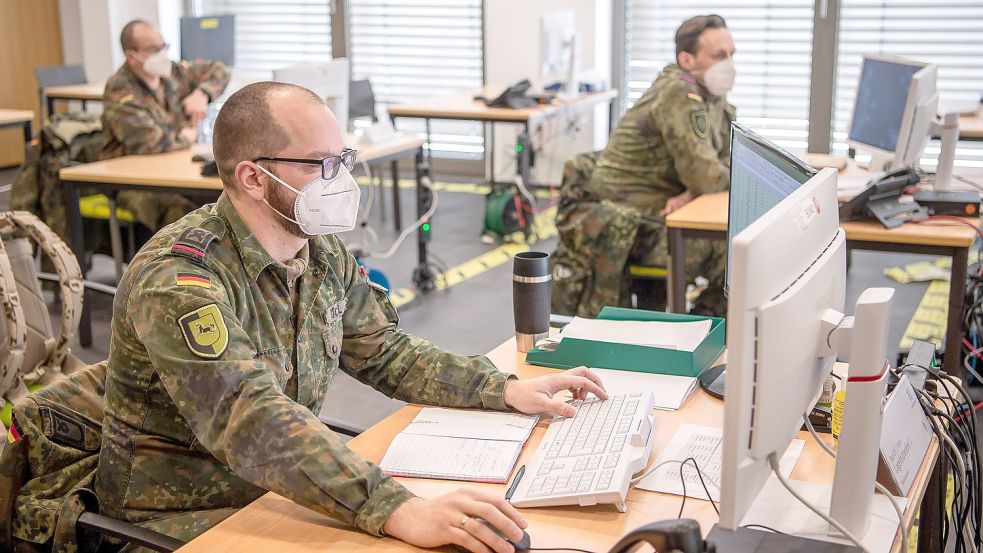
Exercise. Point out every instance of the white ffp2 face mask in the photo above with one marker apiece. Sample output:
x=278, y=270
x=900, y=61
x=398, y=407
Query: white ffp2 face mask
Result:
x=719, y=77
x=158, y=64
x=323, y=206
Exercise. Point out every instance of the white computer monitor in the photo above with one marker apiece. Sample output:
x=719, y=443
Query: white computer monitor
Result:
x=895, y=104
x=788, y=268
x=559, y=49
x=329, y=80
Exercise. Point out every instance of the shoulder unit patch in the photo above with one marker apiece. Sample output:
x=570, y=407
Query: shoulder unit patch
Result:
x=700, y=125
x=205, y=332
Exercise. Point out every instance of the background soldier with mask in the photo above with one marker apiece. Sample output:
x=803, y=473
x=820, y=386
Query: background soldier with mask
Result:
x=229, y=325
x=671, y=146
x=152, y=105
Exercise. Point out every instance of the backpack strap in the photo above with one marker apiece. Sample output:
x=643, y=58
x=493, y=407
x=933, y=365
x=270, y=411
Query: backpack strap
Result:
x=14, y=324
x=69, y=279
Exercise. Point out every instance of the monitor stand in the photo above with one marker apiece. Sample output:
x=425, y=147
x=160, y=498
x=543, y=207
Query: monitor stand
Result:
x=713, y=379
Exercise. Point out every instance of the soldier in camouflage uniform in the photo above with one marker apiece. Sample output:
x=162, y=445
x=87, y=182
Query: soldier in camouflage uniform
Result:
x=228, y=327
x=152, y=105
x=671, y=146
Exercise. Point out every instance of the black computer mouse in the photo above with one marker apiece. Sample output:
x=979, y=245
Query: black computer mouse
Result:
x=521, y=546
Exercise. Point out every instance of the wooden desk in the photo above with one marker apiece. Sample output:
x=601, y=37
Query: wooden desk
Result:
x=18, y=118
x=274, y=524
x=175, y=172
x=85, y=92
x=706, y=217
x=464, y=107
x=970, y=127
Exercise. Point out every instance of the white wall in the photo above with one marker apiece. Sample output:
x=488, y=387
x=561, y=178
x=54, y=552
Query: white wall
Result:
x=512, y=44
x=90, y=30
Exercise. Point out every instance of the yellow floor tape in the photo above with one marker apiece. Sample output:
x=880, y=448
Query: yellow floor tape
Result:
x=544, y=227
x=928, y=322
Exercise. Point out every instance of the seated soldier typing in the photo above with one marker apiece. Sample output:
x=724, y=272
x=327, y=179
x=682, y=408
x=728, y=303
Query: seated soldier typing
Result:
x=229, y=325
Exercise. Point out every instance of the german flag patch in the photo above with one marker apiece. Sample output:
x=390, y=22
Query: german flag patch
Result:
x=695, y=96
x=13, y=434
x=191, y=279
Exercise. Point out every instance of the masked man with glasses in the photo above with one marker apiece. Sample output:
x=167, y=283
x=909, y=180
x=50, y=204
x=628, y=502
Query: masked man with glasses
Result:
x=152, y=105
x=229, y=325
x=672, y=145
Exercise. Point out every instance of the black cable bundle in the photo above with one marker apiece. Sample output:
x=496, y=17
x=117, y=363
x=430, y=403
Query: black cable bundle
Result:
x=955, y=428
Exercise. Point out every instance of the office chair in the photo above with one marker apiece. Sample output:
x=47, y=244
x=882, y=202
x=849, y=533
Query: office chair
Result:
x=648, y=286
x=93, y=523
x=58, y=75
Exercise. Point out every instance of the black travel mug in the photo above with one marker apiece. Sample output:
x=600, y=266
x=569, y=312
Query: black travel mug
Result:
x=531, y=298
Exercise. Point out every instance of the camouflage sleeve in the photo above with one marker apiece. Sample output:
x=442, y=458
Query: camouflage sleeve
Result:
x=210, y=76
x=682, y=117
x=378, y=353
x=135, y=126
x=233, y=405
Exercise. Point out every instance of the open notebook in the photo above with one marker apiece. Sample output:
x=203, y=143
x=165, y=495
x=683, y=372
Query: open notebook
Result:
x=449, y=444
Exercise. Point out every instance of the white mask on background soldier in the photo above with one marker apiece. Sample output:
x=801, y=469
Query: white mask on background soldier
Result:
x=324, y=206
x=158, y=64
x=719, y=77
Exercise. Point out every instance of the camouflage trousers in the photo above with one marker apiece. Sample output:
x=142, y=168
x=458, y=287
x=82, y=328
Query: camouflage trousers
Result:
x=600, y=240
x=154, y=210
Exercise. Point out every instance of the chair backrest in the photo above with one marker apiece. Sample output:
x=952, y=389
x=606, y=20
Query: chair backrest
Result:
x=57, y=75
x=361, y=100
x=60, y=75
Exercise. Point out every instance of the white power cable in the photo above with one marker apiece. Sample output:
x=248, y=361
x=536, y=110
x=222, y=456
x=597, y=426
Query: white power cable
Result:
x=706, y=476
x=773, y=462
x=425, y=181
x=902, y=529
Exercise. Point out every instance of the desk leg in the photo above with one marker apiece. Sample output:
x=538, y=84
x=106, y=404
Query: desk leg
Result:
x=426, y=122
x=397, y=209
x=72, y=196
x=954, y=328
x=28, y=135
x=490, y=150
x=423, y=276
x=929, y=519
x=51, y=106
x=677, y=271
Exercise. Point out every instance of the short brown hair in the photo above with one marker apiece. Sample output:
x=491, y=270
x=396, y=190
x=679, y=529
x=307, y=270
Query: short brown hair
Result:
x=688, y=34
x=246, y=128
x=126, y=36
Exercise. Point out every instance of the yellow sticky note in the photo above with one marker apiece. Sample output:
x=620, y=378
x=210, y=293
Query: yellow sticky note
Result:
x=209, y=23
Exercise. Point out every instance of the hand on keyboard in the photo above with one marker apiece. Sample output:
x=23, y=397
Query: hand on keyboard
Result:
x=534, y=396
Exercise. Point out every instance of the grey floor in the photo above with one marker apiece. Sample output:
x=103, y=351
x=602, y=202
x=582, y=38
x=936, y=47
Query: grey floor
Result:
x=474, y=316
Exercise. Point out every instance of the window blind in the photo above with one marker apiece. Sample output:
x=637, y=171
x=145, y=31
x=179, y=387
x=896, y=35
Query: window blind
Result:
x=774, y=52
x=412, y=49
x=271, y=34
x=948, y=33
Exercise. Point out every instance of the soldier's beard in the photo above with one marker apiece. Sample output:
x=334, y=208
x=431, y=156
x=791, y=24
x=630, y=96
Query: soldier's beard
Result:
x=278, y=200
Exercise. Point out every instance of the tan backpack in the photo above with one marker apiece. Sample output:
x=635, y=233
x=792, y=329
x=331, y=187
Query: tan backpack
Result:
x=30, y=352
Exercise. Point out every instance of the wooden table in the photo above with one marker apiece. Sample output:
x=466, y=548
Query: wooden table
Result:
x=175, y=172
x=273, y=524
x=970, y=127
x=706, y=217
x=85, y=92
x=464, y=107
x=18, y=118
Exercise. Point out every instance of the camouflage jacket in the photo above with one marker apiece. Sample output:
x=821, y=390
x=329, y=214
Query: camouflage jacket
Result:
x=135, y=122
x=676, y=137
x=215, y=379
x=48, y=466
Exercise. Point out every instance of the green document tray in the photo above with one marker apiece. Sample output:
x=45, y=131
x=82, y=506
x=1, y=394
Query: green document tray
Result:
x=572, y=352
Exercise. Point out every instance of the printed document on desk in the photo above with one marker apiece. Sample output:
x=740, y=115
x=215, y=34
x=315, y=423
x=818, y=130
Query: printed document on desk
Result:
x=670, y=391
x=705, y=445
x=448, y=444
x=680, y=336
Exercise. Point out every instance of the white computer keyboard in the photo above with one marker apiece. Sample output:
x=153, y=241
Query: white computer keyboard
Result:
x=589, y=458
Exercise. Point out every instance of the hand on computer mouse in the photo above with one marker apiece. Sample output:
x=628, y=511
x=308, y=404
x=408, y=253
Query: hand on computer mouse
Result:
x=451, y=519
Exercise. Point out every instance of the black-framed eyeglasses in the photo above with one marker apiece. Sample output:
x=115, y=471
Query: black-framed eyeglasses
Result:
x=329, y=165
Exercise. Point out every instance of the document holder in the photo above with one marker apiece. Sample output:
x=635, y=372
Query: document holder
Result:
x=573, y=352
